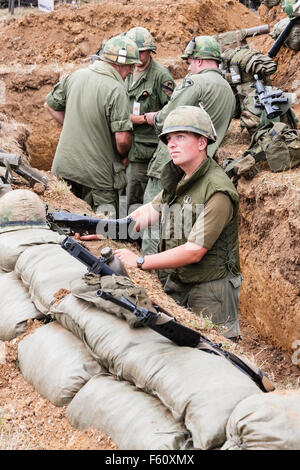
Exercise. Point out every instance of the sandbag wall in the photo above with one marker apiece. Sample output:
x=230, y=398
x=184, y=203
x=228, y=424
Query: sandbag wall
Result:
x=131, y=383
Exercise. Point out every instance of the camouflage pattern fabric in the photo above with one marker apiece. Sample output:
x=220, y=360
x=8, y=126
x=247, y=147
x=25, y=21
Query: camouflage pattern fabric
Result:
x=293, y=39
x=142, y=39
x=189, y=119
x=203, y=47
x=120, y=50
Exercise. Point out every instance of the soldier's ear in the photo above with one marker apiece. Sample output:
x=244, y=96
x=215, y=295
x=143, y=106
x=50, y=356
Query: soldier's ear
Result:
x=202, y=142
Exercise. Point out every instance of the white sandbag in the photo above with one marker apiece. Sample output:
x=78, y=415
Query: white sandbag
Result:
x=44, y=270
x=265, y=422
x=16, y=307
x=199, y=389
x=55, y=363
x=133, y=419
x=12, y=244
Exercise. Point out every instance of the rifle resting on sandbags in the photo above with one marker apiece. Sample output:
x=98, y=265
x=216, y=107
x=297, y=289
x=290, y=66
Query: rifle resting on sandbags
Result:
x=116, y=229
x=13, y=162
x=161, y=321
x=268, y=100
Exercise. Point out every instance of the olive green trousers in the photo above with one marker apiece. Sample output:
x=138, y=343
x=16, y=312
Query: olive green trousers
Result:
x=217, y=300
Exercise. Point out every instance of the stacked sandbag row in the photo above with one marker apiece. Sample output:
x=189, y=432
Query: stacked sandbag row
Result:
x=131, y=383
x=136, y=355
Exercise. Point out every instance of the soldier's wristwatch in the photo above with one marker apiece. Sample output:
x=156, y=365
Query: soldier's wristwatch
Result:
x=139, y=261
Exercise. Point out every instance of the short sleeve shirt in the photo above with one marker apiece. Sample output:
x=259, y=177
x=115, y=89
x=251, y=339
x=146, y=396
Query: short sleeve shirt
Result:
x=217, y=213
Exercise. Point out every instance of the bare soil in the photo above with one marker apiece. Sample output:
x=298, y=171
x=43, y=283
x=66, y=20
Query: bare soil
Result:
x=36, y=50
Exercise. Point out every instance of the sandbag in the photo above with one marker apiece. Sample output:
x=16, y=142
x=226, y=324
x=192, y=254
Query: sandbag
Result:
x=55, y=363
x=12, y=244
x=265, y=422
x=199, y=389
x=16, y=307
x=133, y=419
x=45, y=270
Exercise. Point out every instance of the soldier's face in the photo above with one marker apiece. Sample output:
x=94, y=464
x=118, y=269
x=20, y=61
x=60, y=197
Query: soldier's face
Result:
x=125, y=70
x=194, y=65
x=183, y=147
x=144, y=57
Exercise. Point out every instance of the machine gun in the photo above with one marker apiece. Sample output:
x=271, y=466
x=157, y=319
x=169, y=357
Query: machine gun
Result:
x=161, y=321
x=268, y=100
x=116, y=229
x=13, y=162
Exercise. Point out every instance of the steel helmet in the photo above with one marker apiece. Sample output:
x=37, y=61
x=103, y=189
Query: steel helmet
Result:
x=142, y=38
x=21, y=209
x=189, y=119
x=120, y=50
x=203, y=47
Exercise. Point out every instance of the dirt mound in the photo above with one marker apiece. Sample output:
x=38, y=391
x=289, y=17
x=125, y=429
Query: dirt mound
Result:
x=70, y=32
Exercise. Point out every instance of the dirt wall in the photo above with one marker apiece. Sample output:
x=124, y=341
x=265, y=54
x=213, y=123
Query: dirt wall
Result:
x=270, y=255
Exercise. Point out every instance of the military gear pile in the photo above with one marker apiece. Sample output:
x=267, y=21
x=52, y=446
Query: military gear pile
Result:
x=275, y=143
x=142, y=38
x=253, y=117
x=189, y=119
x=203, y=47
x=240, y=64
x=120, y=50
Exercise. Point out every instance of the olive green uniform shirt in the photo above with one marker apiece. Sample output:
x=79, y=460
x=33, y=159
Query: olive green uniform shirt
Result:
x=217, y=213
x=96, y=106
x=149, y=93
x=208, y=88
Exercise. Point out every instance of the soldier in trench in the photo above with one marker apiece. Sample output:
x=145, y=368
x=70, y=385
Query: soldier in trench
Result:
x=203, y=85
x=93, y=106
x=198, y=211
x=149, y=87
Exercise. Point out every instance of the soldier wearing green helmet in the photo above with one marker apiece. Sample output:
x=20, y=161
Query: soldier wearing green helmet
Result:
x=93, y=107
x=149, y=88
x=204, y=84
x=198, y=210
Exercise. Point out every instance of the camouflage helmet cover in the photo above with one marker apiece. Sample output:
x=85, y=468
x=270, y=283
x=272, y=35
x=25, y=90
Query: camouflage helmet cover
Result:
x=120, y=50
x=189, y=119
x=142, y=38
x=203, y=47
x=21, y=209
